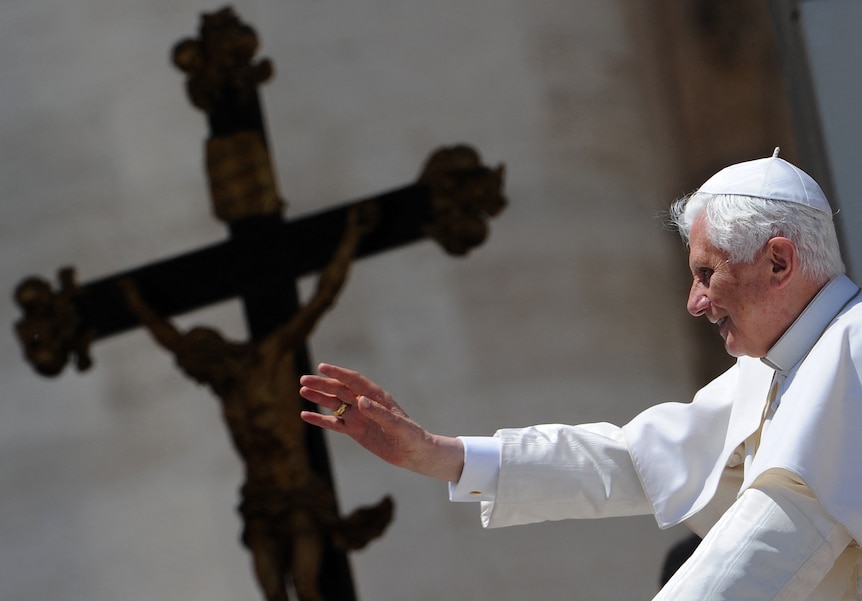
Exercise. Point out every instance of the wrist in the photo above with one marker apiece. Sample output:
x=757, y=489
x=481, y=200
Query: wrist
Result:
x=448, y=458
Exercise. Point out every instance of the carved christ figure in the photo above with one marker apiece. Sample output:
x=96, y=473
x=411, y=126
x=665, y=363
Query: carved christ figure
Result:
x=288, y=511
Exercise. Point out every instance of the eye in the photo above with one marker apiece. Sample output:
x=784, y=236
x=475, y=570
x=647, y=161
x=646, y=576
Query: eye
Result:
x=703, y=275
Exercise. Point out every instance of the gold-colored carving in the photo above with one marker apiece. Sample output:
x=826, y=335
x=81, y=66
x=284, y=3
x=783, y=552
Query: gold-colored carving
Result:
x=288, y=511
x=218, y=63
x=51, y=330
x=240, y=175
x=464, y=195
x=222, y=80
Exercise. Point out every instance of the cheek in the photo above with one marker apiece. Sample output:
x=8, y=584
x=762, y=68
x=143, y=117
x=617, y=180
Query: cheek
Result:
x=742, y=293
x=719, y=297
x=751, y=310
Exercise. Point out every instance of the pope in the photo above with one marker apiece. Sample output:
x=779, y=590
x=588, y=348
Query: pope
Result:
x=764, y=461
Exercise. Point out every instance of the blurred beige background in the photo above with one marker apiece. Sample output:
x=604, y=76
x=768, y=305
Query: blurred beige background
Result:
x=120, y=483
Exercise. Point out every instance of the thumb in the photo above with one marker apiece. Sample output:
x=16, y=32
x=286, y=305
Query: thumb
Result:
x=379, y=413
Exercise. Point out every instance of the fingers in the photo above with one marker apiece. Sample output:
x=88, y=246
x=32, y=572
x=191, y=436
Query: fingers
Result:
x=356, y=382
x=324, y=392
x=338, y=386
x=330, y=393
x=327, y=422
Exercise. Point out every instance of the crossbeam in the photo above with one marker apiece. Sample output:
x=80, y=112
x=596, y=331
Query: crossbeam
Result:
x=256, y=250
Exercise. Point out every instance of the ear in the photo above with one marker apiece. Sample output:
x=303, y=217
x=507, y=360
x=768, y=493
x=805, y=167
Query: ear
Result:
x=781, y=254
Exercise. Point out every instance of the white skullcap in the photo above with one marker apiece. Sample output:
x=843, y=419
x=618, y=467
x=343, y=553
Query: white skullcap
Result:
x=772, y=178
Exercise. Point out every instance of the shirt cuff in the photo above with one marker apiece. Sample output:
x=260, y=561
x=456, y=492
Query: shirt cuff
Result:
x=478, y=480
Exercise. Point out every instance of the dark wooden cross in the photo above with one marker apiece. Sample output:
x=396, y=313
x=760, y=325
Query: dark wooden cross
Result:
x=259, y=263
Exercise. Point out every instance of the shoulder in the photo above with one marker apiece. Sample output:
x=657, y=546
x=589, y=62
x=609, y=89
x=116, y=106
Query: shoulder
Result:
x=837, y=354
x=844, y=333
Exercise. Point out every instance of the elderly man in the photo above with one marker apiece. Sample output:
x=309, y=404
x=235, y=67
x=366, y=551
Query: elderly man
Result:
x=765, y=463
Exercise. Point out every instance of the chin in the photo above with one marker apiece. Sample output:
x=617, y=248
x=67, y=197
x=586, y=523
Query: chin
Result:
x=738, y=352
x=735, y=350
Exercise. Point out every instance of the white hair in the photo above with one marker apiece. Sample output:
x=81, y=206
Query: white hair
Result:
x=742, y=225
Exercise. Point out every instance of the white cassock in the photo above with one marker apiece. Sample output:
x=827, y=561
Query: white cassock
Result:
x=780, y=523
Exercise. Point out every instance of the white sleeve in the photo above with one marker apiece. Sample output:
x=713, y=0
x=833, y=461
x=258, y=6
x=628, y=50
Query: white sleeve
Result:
x=478, y=480
x=775, y=542
x=557, y=472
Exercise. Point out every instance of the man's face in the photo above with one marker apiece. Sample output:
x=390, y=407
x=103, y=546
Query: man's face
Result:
x=735, y=297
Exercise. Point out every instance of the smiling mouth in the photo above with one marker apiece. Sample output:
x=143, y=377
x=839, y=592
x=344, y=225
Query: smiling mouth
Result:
x=721, y=323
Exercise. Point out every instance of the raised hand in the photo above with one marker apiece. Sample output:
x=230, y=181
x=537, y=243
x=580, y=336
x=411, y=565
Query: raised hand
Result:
x=370, y=416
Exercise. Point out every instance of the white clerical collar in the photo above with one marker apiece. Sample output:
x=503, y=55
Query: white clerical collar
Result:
x=800, y=337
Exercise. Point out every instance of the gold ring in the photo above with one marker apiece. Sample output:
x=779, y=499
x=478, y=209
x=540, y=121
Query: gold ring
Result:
x=341, y=409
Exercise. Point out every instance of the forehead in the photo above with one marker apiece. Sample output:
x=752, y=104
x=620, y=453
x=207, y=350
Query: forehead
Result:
x=702, y=252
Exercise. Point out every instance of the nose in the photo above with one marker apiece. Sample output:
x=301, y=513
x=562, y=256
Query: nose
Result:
x=698, y=300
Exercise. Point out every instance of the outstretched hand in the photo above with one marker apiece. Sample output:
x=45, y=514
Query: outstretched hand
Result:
x=372, y=418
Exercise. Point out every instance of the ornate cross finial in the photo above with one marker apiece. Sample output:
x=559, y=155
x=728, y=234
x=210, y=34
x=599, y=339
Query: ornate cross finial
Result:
x=51, y=329
x=464, y=195
x=219, y=62
x=222, y=82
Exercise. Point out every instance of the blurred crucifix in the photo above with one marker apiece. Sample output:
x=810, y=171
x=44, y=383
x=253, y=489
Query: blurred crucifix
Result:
x=291, y=524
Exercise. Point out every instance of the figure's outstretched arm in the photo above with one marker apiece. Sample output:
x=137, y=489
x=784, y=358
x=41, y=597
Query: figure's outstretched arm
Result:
x=374, y=420
x=161, y=329
x=359, y=221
